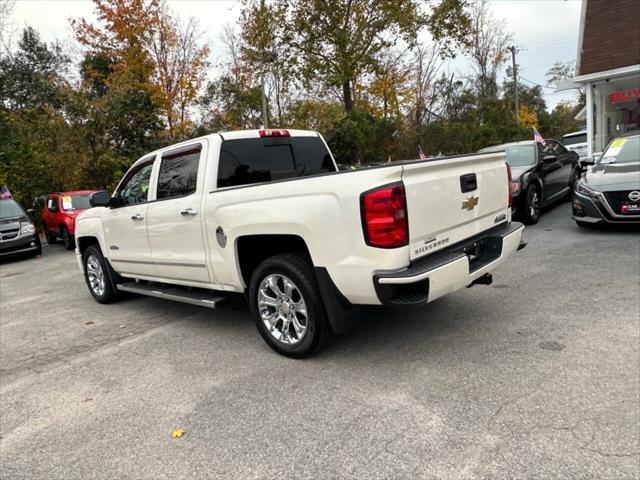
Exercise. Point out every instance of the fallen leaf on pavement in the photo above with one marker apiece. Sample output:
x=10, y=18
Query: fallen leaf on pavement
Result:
x=178, y=433
x=122, y=326
x=88, y=323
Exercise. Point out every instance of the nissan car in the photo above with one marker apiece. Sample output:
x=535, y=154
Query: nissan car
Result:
x=609, y=191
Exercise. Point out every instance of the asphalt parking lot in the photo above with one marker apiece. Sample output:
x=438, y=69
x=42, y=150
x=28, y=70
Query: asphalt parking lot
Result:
x=536, y=376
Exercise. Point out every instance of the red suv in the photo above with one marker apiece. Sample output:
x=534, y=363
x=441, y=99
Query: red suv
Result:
x=59, y=215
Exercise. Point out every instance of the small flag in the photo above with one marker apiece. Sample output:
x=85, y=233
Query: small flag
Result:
x=537, y=137
x=421, y=154
x=5, y=193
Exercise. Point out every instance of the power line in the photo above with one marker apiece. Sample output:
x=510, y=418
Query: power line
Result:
x=547, y=44
x=536, y=84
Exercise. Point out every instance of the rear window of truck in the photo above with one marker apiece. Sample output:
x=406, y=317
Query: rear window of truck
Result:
x=257, y=160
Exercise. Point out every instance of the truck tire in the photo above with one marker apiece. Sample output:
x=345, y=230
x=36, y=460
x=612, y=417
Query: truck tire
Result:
x=67, y=239
x=96, y=275
x=287, y=307
x=532, y=205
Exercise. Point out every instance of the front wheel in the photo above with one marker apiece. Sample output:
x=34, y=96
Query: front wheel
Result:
x=96, y=275
x=67, y=239
x=532, y=205
x=287, y=307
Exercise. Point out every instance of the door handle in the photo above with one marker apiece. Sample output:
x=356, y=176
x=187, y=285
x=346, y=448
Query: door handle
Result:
x=137, y=217
x=188, y=212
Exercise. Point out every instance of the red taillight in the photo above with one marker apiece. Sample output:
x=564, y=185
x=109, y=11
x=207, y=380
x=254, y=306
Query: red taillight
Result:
x=274, y=133
x=510, y=185
x=384, y=216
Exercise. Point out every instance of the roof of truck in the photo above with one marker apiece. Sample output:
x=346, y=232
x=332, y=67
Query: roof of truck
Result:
x=502, y=146
x=233, y=135
x=575, y=134
x=239, y=134
x=74, y=192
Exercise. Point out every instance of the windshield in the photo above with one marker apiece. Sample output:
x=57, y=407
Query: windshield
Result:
x=9, y=209
x=520, y=156
x=75, y=202
x=622, y=150
x=573, y=139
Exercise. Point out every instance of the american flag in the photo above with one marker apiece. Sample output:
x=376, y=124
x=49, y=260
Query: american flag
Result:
x=537, y=138
x=5, y=193
x=421, y=154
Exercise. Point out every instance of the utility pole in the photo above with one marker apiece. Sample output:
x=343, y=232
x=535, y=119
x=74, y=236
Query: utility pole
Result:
x=515, y=81
x=263, y=95
x=264, y=102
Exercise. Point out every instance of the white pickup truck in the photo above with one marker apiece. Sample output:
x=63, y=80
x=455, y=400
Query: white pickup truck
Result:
x=267, y=214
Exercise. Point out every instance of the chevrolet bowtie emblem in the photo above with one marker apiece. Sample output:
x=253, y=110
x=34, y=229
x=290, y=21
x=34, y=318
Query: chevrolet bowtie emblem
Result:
x=470, y=203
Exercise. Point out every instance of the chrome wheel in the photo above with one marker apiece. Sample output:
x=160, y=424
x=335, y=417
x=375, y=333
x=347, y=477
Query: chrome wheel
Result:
x=95, y=274
x=534, y=207
x=282, y=309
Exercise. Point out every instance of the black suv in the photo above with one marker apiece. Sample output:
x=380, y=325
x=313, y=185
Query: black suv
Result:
x=17, y=233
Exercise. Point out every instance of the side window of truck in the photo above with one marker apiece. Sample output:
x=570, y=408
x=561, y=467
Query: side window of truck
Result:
x=52, y=204
x=135, y=188
x=178, y=173
x=258, y=160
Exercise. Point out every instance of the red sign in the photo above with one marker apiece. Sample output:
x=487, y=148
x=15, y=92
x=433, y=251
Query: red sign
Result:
x=625, y=95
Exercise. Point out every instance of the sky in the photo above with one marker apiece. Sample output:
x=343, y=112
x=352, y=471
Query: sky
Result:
x=544, y=31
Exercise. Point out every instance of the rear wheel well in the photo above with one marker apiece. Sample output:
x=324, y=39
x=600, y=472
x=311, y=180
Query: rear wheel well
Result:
x=85, y=242
x=253, y=249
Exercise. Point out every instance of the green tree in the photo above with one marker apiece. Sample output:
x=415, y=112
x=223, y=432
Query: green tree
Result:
x=566, y=71
x=37, y=147
x=336, y=43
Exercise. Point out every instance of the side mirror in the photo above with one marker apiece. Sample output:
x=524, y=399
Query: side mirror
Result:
x=100, y=199
x=549, y=158
x=587, y=162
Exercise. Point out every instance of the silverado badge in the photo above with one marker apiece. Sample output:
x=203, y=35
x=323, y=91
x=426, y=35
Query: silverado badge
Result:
x=470, y=203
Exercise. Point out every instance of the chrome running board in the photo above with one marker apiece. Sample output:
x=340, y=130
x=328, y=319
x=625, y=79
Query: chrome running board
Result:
x=200, y=297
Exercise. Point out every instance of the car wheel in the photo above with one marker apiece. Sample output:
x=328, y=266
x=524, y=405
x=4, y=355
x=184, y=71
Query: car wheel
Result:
x=96, y=275
x=67, y=239
x=51, y=239
x=532, y=205
x=287, y=307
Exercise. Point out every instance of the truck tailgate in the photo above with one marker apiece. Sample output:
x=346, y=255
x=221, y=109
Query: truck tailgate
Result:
x=452, y=199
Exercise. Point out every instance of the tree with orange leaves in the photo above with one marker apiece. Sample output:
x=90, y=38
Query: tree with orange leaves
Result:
x=180, y=68
x=149, y=50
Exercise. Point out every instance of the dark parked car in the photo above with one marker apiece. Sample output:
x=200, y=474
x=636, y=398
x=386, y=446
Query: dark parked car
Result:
x=609, y=191
x=17, y=233
x=541, y=174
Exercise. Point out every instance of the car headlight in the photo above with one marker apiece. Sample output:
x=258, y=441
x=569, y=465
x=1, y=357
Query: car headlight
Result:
x=582, y=189
x=27, y=228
